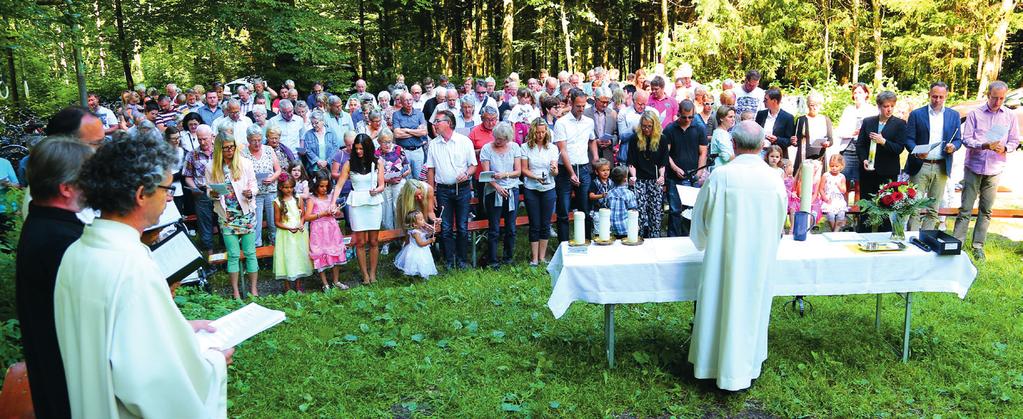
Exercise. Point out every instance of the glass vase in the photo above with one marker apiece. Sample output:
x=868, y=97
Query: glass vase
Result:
x=898, y=225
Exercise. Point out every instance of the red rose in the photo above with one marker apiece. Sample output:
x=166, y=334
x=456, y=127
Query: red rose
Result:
x=888, y=186
x=898, y=196
x=911, y=192
x=887, y=200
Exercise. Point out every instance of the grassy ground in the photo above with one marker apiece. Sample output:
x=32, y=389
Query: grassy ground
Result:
x=482, y=343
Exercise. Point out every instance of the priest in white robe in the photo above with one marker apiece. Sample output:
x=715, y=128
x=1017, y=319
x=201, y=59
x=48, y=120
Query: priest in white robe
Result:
x=737, y=221
x=126, y=348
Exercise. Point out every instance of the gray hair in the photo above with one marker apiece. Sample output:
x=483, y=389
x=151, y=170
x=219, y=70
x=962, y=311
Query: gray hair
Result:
x=55, y=161
x=254, y=130
x=385, y=133
x=504, y=131
x=261, y=110
x=997, y=85
x=240, y=88
x=748, y=136
x=440, y=91
x=234, y=102
x=148, y=129
x=885, y=96
x=374, y=114
x=468, y=99
x=602, y=92
x=286, y=104
x=490, y=110
x=815, y=97
x=290, y=83
x=273, y=128
x=203, y=128
x=333, y=100
x=316, y=115
x=302, y=105
x=109, y=180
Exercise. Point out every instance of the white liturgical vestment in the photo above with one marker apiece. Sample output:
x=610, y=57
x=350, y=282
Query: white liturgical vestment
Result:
x=737, y=220
x=127, y=350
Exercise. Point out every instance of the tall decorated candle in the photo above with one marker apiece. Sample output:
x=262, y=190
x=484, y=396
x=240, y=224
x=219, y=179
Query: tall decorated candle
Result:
x=633, y=226
x=579, y=227
x=870, y=156
x=805, y=185
x=605, y=224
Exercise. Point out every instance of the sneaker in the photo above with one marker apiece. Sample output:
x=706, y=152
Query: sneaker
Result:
x=385, y=249
x=978, y=254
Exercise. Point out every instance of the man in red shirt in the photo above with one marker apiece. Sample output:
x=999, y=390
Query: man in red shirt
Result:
x=480, y=136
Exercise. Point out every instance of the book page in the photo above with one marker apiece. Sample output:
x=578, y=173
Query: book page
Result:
x=239, y=326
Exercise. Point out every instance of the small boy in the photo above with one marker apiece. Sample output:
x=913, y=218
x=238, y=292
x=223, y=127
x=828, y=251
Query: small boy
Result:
x=620, y=200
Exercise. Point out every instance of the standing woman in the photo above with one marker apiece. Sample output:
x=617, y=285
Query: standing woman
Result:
x=811, y=128
x=647, y=154
x=365, y=202
x=888, y=134
x=396, y=169
x=320, y=145
x=173, y=137
x=267, y=169
x=237, y=209
x=501, y=156
x=721, y=139
x=371, y=125
x=539, y=168
x=189, y=136
x=848, y=130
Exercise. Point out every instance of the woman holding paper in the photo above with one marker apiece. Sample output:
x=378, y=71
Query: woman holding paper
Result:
x=881, y=140
x=813, y=132
x=233, y=188
x=267, y=170
x=539, y=168
x=501, y=194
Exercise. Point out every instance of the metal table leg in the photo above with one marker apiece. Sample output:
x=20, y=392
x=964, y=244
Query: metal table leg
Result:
x=609, y=333
x=877, y=315
x=905, y=332
x=472, y=242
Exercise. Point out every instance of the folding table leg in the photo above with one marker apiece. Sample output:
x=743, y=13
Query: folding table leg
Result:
x=472, y=242
x=905, y=332
x=877, y=315
x=609, y=333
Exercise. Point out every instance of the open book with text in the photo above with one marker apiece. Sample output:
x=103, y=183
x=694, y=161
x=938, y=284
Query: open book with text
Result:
x=238, y=326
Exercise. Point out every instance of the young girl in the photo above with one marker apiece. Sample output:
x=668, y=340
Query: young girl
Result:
x=326, y=244
x=833, y=192
x=773, y=159
x=790, y=184
x=301, y=180
x=601, y=186
x=415, y=257
x=291, y=250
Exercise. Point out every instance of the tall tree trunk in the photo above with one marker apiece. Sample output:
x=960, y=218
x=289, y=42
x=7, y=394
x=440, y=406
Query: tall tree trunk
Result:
x=878, y=47
x=605, y=45
x=856, y=41
x=993, y=47
x=665, y=32
x=827, y=45
x=570, y=63
x=507, y=35
x=122, y=45
x=14, y=74
x=362, y=39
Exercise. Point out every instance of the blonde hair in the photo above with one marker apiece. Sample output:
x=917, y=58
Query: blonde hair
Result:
x=534, y=137
x=406, y=201
x=217, y=176
x=601, y=163
x=410, y=219
x=647, y=144
x=837, y=158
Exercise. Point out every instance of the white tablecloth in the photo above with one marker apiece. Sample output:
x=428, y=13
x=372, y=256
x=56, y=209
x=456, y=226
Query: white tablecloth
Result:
x=668, y=270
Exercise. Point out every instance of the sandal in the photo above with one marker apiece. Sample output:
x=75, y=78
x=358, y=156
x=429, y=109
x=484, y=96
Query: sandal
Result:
x=340, y=285
x=326, y=287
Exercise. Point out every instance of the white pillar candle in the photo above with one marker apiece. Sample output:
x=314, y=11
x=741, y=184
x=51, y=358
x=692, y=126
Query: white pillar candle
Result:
x=633, y=226
x=579, y=227
x=605, y=224
x=805, y=185
x=870, y=156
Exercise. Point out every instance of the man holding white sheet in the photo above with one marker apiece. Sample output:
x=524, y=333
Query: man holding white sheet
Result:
x=737, y=221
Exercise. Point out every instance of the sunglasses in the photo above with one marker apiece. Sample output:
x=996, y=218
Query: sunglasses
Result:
x=686, y=117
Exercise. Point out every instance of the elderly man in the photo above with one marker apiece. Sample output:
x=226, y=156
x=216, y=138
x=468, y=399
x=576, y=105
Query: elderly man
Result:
x=450, y=164
x=263, y=90
x=123, y=341
x=938, y=127
x=989, y=133
x=779, y=125
x=410, y=133
x=258, y=115
x=291, y=125
x=360, y=90
x=534, y=86
x=245, y=98
x=234, y=121
x=573, y=135
x=211, y=111
x=257, y=102
x=666, y=106
x=605, y=123
x=194, y=172
x=687, y=150
x=628, y=121
x=172, y=90
x=418, y=100
x=483, y=99
x=737, y=219
x=450, y=103
x=51, y=226
x=431, y=104
x=337, y=120
x=550, y=86
x=191, y=104
x=750, y=97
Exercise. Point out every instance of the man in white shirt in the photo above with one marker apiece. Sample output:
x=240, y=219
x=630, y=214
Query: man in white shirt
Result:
x=749, y=97
x=127, y=350
x=938, y=127
x=110, y=124
x=233, y=120
x=628, y=121
x=573, y=135
x=450, y=163
x=245, y=99
x=418, y=99
x=290, y=124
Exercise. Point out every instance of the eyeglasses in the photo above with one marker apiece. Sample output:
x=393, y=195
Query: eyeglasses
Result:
x=686, y=117
x=229, y=147
x=439, y=121
x=168, y=189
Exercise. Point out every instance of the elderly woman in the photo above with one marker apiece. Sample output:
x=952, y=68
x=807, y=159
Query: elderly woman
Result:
x=302, y=109
x=371, y=125
x=467, y=117
x=396, y=169
x=173, y=137
x=539, y=168
x=813, y=133
x=267, y=169
x=259, y=116
x=647, y=155
x=285, y=155
x=320, y=145
x=887, y=135
x=848, y=129
x=237, y=209
x=501, y=195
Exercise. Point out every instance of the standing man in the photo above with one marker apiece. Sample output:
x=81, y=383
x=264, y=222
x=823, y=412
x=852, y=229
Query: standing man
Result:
x=126, y=349
x=291, y=125
x=440, y=95
x=211, y=111
x=311, y=99
x=110, y=124
x=605, y=123
x=938, y=127
x=736, y=222
x=418, y=100
x=410, y=133
x=779, y=126
x=749, y=97
x=194, y=171
x=245, y=98
x=338, y=121
x=573, y=134
x=233, y=120
x=687, y=150
x=450, y=164
x=988, y=134
x=666, y=106
x=50, y=228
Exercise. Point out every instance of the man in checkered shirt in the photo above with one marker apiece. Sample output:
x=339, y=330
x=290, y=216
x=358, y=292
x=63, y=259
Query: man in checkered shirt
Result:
x=620, y=200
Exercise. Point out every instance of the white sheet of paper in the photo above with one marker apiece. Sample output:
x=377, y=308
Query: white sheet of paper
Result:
x=924, y=148
x=169, y=216
x=487, y=176
x=687, y=194
x=846, y=236
x=238, y=326
x=996, y=133
x=817, y=143
x=175, y=254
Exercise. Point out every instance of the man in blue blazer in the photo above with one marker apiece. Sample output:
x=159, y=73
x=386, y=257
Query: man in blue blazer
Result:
x=936, y=126
x=779, y=126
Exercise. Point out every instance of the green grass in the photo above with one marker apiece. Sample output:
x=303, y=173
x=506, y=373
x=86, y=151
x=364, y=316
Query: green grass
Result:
x=483, y=343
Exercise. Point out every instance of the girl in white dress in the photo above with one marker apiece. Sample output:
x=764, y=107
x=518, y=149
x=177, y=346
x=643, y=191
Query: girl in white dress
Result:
x=833, y=193
x=415, y=258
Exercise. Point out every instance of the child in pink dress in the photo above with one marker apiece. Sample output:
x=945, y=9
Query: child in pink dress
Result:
x=326, y=243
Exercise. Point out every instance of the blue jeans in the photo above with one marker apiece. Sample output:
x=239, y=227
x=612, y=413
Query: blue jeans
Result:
x=494, y=231
x=566, y=202
x=540, y=208
x=205, y=219
x=416, y=159
x=677, y=225
x=455, y=202
x=265, y=212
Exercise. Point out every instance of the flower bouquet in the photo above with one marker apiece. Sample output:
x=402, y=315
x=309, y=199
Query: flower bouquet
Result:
x=895, y=201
